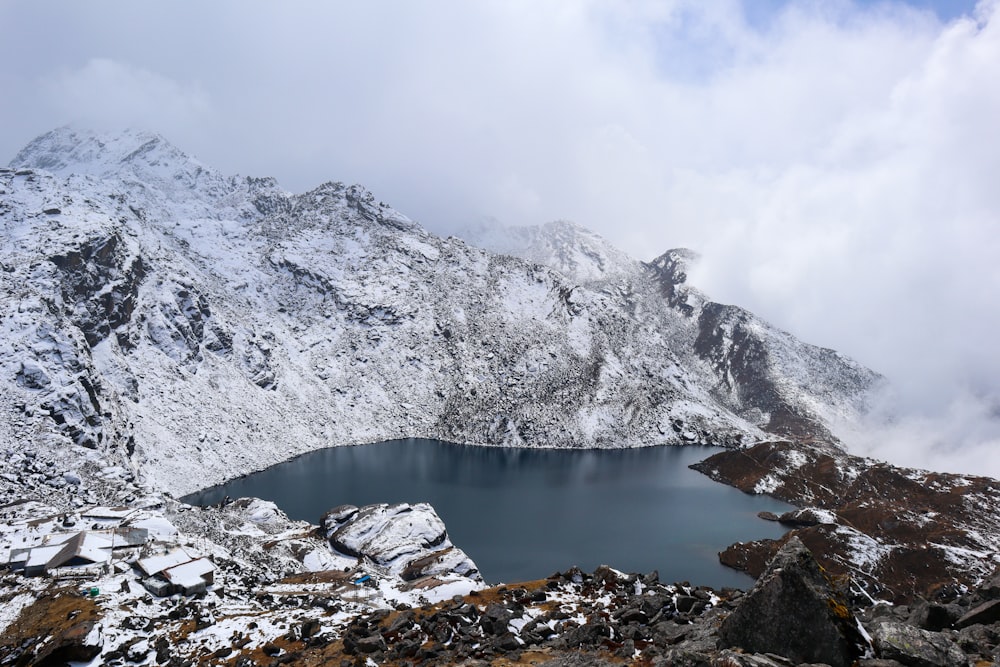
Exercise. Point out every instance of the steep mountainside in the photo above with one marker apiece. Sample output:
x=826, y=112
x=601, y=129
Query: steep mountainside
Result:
x=760, y=373
x=195, y=322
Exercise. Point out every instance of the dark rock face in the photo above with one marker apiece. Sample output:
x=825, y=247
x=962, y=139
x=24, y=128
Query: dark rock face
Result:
x=988, y=612
x=100, y=285
x=76, y=644
x=934, y=617
x=794, y=611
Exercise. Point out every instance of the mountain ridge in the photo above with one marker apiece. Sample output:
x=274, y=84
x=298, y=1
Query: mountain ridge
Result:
x=299, y=321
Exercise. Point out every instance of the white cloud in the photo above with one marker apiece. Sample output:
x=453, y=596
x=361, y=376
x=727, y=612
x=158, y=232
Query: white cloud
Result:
x=109, y=94
x=835, y=163
x=963, y=436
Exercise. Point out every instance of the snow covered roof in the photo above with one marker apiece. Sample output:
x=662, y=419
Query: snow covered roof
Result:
x=157, y=564
x=88, y=546
x=157, y=526
x=40, y=556
x=107, y=512
x=189, y=574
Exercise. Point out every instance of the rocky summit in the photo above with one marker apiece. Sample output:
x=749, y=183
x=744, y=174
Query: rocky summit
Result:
x=166, y=327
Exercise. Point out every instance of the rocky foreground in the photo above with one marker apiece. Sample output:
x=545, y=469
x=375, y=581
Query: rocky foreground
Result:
x=796, y=613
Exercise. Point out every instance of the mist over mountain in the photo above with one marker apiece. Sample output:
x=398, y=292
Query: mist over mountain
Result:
x=193, y=320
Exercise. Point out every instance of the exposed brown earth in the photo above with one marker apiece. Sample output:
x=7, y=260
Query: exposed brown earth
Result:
x=52, y=630
x=900, y=533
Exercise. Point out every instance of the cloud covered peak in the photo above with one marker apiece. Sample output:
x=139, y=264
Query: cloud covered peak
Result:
x=129, y=153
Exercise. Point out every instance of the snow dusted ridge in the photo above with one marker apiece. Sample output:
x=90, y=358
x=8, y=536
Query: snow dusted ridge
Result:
x=572, y=250
x=194, y=327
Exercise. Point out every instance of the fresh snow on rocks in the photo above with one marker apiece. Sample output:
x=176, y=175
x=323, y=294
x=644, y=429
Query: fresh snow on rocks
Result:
x=192, y=322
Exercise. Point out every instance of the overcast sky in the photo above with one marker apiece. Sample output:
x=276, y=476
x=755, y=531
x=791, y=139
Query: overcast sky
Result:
x=836, y=163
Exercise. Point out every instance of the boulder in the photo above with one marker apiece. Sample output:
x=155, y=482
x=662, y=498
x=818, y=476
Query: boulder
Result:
x=590, y=634
x=409, y=540
x=794, y=611
x=985, y=614
x=807, y=516
x=450, y=559
x=991, y=589
x=915, y=647
x=978, y=639
x=495, y=619
x=336, y=516
x=81, y=642
x=934, y=617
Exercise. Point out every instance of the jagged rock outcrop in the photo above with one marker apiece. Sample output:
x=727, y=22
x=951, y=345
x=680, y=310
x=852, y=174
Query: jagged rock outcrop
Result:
x=758, y=372
x=794, y=611
x=407, y=540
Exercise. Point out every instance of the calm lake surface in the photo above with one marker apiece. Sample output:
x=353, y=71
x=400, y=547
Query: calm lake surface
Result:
x=523, y=514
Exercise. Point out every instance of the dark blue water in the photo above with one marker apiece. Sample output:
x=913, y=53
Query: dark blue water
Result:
x=523, y=514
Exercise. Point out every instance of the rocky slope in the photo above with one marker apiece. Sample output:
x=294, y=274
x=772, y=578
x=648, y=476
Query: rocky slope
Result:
x=901, y=534
x=795, y=614
x=760, y=373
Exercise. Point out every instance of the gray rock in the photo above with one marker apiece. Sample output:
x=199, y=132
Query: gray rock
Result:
x=728, y=658
x=579, y=659
x=991, y=589
x=370, y=644
x=805, y=516
x=793, y=611
x=506, y=642
x=678, y=657
x=685, y=603
x=934, y=617
x=915, y=647
x=589, y=634
x=337, y=516
x=979, y=638
x=495, y=619
x=702, y=636
x=986, y=613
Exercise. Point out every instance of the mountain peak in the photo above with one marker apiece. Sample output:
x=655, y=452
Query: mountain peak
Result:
x=571, y=249
x=131, y=154
x=677, y=260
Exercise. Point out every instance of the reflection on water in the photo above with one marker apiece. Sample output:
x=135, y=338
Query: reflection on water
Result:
x=525, y=513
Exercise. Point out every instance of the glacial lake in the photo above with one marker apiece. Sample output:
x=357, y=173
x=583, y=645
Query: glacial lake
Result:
x=523, y=514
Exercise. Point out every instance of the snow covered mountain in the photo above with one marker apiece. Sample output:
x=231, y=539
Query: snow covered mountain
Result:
x=164, y=327
x=192, y=327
